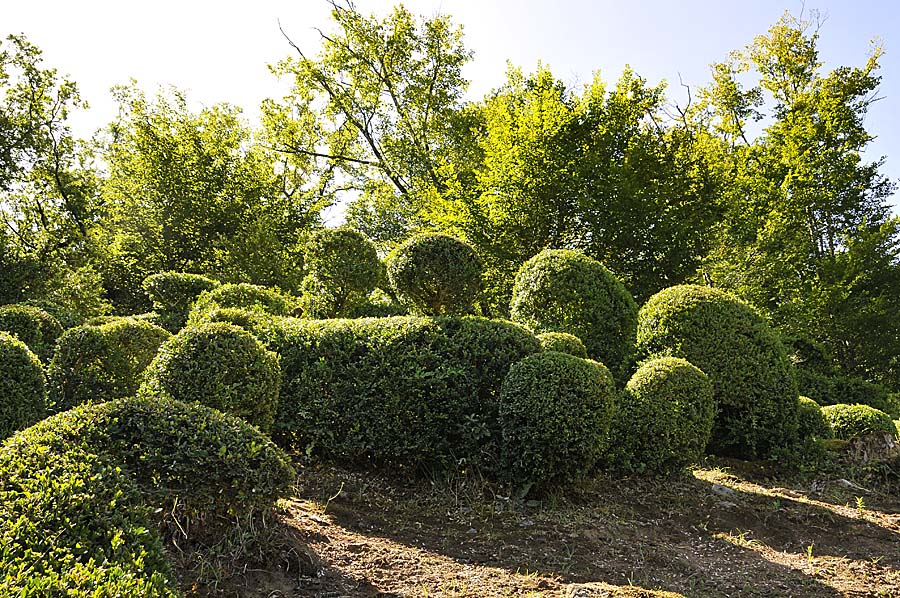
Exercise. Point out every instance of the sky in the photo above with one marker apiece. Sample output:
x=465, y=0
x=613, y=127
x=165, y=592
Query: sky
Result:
x=219, y=50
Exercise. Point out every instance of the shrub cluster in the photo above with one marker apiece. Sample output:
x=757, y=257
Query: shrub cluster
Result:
x=559, y=290
x=756, y=395
x=33, y=326
x=663, y=419
x=78, y=491
x=173, y=294
x=562, y=342
x=100, y=363
x=811, y=422
x=23, y=394
x=850, y=421
x=244, y=296
x=218, y=365
x=834, y=389
x=435, y=274
x=555, y=412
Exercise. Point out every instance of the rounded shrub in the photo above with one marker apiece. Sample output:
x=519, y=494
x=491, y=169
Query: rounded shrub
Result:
x=435, y=274
x=664, y=418
x=811, y=422
x=100, y=363
x=23, y=394
x=562, y=342
x=342, y=269
x=849, y=421
x=559, y=290
x=33, y=326
x=555, y=412
x=221, y=366
x=244, y=296
x=173, y=294
x=756, y=395
x=834, y=389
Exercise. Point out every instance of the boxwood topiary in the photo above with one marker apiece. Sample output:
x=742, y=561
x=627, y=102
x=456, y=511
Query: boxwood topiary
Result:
x=559, y=290
x=100, y=363
x=34, y=327
x=756, y=395
x=221, y=366
x=342, y=269
x=244, y=296
x=850, y=421
x=812, y=423
x=833, y=389
x=173, y=294
x=664, y=418
x=435, y=274
x=562, y=342
x=23, y=394
x=555, y=412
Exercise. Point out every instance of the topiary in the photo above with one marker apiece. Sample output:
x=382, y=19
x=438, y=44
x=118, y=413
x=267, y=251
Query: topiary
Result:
x=244, y=296
x=756, y=395
x=173, y=294
x=555, y=412
x=812, y=423
x=221, y=366
x=379, y=305
x=559, y=290
x=100, y=363
x=562, y=342
x=435, y=274
x=664, y=418
x=834, y=388
x=850, y=421
x=23, y=394
x=33, y=326
x=342, y=269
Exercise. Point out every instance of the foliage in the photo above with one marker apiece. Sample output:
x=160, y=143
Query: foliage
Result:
x=664, y=418
x=850, y=421
x=836, y=388
x=555, y=412
x=244, y=296
x=811, y=421
x=342, y=269
x=560, y=290
x=379, y=305
x=218, y=365
x=100, y=363
x=756, y=395
x=173, y=294
x=247, y=319
x=33, y=326
x=562, y=342
x=23, y=392
x=435, y=274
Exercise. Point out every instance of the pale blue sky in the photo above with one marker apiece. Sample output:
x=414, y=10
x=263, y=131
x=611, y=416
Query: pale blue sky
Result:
x=218, y=51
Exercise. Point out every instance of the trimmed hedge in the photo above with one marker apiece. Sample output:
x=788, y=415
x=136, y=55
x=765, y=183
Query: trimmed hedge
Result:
x=664, y=418
x=218, y=365
x=173, y=294
x=837, y=389
x=82, y=493
x=756, y=395
x=555, y=411
x=435, y=274
x=34, y=327
x=342, y=269
x=244, y=296
x=559, y=290
x=849, y=421
x=562, y=342
x=812, y=423
x=101, y=363
x=23, y=394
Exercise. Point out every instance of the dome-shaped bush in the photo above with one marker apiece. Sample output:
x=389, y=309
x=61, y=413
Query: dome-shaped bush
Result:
x=555, y=411
x=22, y=391
x=221, y=366
x=756, y=395
x=244, y=296
x=101, y=363
x=811, y=422
x=342, y=269
x=849, y=421
x=663, y=420
x=33, y=326
x=559, y=290
x=173, y=294
x=562, y=342
x=435, y=274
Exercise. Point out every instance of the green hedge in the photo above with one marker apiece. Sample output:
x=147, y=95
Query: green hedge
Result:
x=82, y=494
x=23, y=394
x=34, y=327
x=555, y=411
x=756, y=395
x=559, y=290
x=812, y=423
x=173, y=294
x=850, y=421
x=218, y=365
x=244, y=296
x=100, y=363
x=837, y=389
x=562, y=342
x=664, y=418
x=342, y=268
